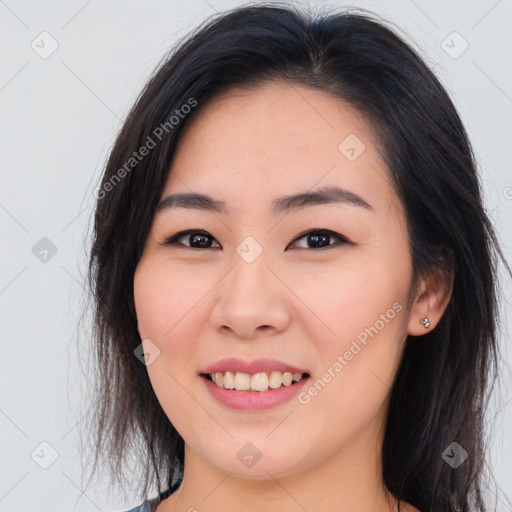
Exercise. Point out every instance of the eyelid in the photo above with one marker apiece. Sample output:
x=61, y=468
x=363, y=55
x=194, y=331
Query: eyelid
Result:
x=180, y=234
x=343, y=239
x=323, y=231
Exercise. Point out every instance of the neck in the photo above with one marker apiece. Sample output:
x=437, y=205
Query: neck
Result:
x=349, y=480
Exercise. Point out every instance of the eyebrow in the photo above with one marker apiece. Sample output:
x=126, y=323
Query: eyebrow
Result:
x=285, y=204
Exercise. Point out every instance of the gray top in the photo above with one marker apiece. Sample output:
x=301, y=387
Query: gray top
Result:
x=150, y=505
x=145, y=507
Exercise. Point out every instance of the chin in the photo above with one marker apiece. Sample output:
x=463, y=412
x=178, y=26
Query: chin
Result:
x=257, y=460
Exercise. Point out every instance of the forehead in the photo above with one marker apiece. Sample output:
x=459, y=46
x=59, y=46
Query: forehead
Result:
x=277, y=138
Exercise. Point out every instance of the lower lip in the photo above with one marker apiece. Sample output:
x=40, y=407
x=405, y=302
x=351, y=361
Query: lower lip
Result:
x=253, y=400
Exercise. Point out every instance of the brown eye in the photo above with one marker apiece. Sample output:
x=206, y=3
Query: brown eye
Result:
x=196, y=239
x=320, y=239
x=199, y=239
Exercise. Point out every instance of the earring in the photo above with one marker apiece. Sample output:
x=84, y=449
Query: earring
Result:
x=426, y=323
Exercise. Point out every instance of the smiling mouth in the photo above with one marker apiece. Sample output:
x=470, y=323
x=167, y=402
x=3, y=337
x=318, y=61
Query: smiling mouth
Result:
x=261, y=381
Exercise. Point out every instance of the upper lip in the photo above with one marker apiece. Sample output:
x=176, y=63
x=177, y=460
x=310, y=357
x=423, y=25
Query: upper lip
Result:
x=256, y=366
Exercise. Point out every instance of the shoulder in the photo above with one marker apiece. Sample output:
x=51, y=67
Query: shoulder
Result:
x=151, y=505
x=143, y=507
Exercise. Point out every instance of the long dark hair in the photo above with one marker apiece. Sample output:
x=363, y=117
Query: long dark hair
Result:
x=439, y=394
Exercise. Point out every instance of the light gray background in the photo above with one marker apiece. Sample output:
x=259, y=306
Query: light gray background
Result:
x=59, y=117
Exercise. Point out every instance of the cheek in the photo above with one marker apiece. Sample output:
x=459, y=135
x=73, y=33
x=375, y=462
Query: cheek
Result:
x=164, y=302
x=164, y=313
x=358, y=328
x=358, y=352
x=346, y=297
x=166, y=316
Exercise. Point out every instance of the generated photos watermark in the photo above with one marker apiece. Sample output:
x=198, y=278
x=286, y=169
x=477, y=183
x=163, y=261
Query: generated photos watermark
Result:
x=151, y=142
x=304, y=397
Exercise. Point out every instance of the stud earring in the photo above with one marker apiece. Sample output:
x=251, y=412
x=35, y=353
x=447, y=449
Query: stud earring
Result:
x=426, y=322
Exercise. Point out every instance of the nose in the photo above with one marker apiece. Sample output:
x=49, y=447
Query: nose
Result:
x=251, y=302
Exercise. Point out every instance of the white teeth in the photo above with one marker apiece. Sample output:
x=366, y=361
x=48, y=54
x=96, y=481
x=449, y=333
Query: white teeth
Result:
x=261, y=381
x=287, y=378
x=276, y=379
x=229, y=380
x=242, y=381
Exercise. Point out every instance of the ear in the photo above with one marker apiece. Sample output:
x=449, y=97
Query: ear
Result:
x=433, y=293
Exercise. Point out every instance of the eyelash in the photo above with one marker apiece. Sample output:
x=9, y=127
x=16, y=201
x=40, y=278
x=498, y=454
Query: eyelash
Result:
x=173, y=240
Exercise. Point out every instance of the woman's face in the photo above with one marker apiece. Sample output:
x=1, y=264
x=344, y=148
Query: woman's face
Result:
x=249, y=283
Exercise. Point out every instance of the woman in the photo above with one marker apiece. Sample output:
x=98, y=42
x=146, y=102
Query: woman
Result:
x=294, y=276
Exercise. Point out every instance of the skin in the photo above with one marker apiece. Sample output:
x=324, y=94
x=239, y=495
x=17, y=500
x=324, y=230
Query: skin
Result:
x=295, y=303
